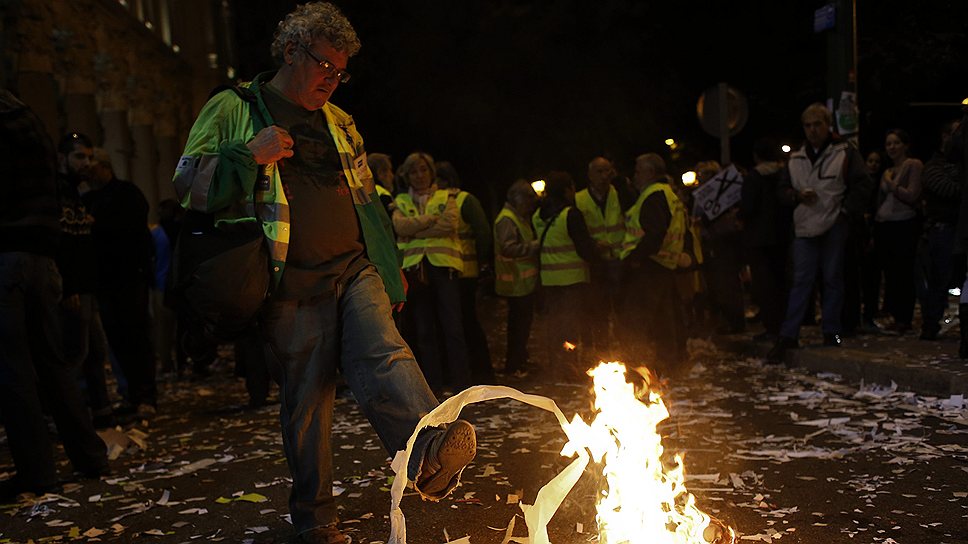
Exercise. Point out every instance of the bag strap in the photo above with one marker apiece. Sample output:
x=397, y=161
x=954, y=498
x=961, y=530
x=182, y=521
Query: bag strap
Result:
x=541, y=240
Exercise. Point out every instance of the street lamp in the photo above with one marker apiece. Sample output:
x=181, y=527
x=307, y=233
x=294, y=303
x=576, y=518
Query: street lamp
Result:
x=689, y=178
x=538, y=186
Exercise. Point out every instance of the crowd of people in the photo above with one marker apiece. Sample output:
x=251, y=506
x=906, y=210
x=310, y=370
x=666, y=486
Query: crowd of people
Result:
x=626, y=266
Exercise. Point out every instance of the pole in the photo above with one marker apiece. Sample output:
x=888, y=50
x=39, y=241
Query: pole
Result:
x=723, y=103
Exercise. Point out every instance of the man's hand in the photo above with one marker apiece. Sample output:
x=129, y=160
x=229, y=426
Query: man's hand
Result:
x=270, y=144
x=684, y=260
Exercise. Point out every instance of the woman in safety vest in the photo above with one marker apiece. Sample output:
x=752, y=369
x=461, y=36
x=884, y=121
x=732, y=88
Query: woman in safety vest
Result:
x=426, y=221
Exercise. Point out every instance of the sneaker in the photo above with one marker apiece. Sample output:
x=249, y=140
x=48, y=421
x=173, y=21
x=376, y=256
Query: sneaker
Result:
x=446, y=456
x=329, y=534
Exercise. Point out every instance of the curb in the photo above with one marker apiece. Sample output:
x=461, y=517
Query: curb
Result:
x=941, y=378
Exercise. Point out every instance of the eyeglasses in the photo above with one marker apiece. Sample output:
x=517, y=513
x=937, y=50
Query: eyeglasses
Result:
x=327, y=67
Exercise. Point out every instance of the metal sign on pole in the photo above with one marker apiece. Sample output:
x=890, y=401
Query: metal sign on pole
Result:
x=722, y=112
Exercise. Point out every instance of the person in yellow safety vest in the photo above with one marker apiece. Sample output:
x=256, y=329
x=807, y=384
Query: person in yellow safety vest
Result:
x=382, y=167
x=566, y=251
x=516, y=271
x=426, y=222
x=657, y=243
x=601, y=205
x=476, y=248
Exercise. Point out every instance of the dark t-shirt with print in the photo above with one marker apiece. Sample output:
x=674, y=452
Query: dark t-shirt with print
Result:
x=325, y=244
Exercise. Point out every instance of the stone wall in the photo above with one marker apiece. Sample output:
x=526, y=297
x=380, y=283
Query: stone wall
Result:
x=93, y=66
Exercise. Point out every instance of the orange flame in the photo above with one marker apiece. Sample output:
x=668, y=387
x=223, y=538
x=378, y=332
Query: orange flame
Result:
x=645, y=502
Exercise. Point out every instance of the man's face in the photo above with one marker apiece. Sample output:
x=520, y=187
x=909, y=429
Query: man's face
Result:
x=78, y=161
x=816, y=129
x=643, y=174
x=312, y=84
x=600, y=174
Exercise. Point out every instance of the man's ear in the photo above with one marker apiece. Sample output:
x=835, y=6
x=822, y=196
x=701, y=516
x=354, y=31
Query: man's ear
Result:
x=289, y=52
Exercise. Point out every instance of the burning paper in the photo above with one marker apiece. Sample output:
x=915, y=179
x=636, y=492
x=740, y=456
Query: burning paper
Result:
x=645, y=502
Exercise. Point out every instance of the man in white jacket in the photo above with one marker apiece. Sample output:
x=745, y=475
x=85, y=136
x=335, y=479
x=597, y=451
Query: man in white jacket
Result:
x=827, y=182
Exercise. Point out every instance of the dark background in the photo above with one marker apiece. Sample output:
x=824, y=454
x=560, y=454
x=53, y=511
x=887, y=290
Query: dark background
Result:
x=507, y=89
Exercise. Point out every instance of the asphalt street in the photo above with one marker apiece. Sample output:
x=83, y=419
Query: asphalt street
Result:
x=778, y=453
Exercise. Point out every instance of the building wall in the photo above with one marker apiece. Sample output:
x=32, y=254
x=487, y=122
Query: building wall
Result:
x=131, y=74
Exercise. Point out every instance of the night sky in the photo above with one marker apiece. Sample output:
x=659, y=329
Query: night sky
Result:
x=508, y=89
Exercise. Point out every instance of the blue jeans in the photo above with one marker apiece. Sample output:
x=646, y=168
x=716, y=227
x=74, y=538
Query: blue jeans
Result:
x=352, y=332
x=825, y=252
x=32, y=364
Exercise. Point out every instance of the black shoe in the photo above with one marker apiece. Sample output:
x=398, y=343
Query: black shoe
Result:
x=765, y=337
x=97, y=473
x=12, y=488
x=777, y=353
x=446, y=456
x=832, y=340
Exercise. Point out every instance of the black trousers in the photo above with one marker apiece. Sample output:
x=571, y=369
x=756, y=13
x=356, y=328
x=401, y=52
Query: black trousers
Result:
x=124, y=313
x=479, y=354
x=520, y=317
x=896, y=244
x=653, y=313
x=768, y=268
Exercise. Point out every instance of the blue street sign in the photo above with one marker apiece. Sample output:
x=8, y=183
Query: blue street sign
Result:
x=824, y=18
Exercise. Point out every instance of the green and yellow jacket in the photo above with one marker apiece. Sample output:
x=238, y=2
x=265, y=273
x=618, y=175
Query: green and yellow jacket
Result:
x=217, y=174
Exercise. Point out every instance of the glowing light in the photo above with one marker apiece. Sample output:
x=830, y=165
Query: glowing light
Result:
x=955, y=292
x=964, y=102
x=538, y=186
x=670, y=142
x=785, y=148
x=689, y=178
x=569, y=346
x=646, y=500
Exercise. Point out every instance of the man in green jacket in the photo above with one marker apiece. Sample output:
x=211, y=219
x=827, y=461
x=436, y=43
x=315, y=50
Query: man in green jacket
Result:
x=284, y=148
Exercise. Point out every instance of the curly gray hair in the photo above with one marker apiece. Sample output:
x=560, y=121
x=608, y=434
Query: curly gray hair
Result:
x=315, y=20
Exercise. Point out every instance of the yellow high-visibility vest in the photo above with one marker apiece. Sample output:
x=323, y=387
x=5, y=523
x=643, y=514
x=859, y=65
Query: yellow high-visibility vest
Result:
x=515, y=277
x=673, y=241
x=608, y=228
x=560, y=263
x=442, y=252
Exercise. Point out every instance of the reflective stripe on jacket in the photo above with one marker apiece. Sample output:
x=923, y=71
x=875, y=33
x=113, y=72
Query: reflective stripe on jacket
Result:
x=673, y=240
x=608, y=229
x=515, y=277
x=441, y=252
x=560, y=263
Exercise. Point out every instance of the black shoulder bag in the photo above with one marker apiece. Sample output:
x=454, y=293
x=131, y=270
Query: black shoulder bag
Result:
x=220, y=273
